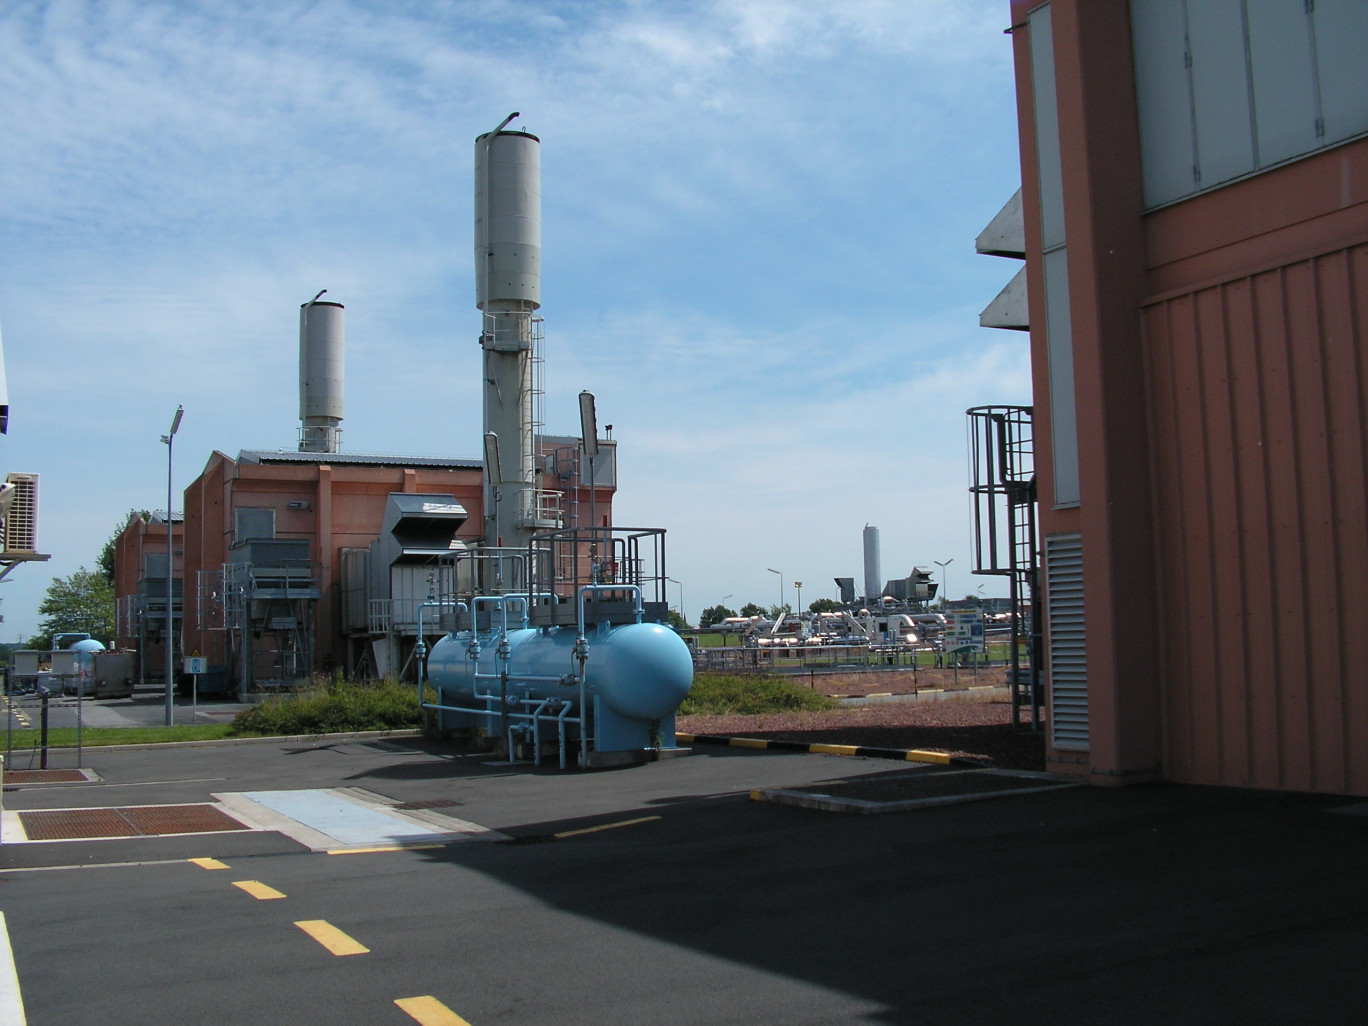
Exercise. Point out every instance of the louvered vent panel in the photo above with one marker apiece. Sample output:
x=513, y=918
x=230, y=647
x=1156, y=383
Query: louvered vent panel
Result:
x=21, y=526
x=1068, y=650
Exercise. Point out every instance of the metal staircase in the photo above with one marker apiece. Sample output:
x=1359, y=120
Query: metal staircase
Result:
x=1006, y=542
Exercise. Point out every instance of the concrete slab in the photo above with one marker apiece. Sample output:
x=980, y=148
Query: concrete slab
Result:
x=334, y=819
x=906, y=790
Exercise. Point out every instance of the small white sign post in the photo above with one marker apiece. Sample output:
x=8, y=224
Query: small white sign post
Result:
x=195, y=665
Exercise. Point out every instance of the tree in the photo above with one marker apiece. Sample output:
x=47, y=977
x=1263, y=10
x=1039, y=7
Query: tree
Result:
x=83, y=602
x=714, y=615
x=751, y=609
x=676, y=621
x=824, y=605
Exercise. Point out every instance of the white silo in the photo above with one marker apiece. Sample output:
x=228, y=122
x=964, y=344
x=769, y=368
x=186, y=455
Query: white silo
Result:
x=322, y=347
x=872, y=581
x=508, y=291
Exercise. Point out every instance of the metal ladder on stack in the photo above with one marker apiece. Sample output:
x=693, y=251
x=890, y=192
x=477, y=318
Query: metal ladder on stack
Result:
x=1006, y=541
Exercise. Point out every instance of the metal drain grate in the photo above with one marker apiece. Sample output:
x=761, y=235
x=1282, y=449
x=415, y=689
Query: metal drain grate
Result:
x=430, y=803
x=136, y=821
x=48, y=776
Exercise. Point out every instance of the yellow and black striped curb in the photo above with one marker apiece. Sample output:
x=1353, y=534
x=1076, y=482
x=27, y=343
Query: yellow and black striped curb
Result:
x=900, y=754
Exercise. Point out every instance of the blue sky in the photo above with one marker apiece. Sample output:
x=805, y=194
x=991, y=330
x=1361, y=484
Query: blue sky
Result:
x=758, y=232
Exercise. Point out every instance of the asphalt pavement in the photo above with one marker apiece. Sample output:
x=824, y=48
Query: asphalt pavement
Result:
x=146, y=707
x=666, y=893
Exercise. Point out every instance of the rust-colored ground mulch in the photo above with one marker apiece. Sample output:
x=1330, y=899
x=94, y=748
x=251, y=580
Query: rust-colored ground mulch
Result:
x=980, y=730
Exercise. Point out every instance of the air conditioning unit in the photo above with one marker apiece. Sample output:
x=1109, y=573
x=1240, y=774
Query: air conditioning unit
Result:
x=21, y=519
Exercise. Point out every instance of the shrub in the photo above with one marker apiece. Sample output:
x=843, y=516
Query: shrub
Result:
x=333, y=707
x=721, y=694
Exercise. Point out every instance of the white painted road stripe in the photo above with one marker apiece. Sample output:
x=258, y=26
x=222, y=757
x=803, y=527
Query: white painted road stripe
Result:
x=11, y=1003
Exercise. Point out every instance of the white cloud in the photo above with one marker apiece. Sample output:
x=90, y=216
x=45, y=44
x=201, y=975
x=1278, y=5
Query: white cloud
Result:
x=759, y=222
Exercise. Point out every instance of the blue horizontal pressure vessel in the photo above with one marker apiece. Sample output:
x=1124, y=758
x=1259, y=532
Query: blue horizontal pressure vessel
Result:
x=636, y=676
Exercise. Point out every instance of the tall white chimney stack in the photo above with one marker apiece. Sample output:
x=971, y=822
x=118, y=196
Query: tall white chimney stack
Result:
x=508, y=291
x=322, y=346
x=872, y=578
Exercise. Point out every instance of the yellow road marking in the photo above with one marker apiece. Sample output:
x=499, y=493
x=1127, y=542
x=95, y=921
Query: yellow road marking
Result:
x=331, y=937
x=258, y=890
x=939, y=758
x=605, y=826
x=430, y=1012
x=387, y=847
x=833, y=749
x=209, y=863
x=19, y=715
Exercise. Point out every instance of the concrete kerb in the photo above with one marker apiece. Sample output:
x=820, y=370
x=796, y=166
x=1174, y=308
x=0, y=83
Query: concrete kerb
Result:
x=821, y=748
x=973, y=693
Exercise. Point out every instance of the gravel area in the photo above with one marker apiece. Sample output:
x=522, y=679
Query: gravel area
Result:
x=963, y=727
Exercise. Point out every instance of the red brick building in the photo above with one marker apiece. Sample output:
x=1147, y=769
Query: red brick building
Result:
x=302, y=525
x=1195, y=201
x=140, y=587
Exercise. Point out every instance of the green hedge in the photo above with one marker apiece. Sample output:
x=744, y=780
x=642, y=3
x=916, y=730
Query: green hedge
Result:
x=333, y=707
x=722, y=694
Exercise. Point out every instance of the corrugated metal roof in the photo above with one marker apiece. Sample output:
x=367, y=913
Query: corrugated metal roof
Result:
x=357, y=459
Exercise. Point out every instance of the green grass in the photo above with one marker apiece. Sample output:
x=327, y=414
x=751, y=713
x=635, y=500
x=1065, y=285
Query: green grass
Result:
x=707, y=639
x=721, y=693
x=331, y=708
x=95, y=737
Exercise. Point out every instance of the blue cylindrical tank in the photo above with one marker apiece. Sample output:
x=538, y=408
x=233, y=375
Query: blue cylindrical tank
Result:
x=85, y=653
x=641, y=671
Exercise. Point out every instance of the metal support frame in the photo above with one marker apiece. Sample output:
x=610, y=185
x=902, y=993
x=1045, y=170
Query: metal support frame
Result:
x=280, y=601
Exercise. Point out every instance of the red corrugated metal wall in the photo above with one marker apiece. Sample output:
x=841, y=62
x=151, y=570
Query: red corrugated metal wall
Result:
x=1261, y=482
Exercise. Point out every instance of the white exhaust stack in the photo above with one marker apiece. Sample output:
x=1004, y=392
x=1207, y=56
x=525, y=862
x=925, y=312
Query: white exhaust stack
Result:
x=508, y=290
x=322, y=346
x=872, y=582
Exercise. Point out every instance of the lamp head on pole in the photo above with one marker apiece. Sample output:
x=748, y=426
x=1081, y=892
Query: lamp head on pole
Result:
x=588, y=424
x=175, y=425
x=491, y=453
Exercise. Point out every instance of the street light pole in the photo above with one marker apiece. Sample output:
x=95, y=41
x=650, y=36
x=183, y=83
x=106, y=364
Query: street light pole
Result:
x=799, y=586
x=589, y=443
x=681, y=599
x=945, y=595
x=781, y=586
x=169, y=438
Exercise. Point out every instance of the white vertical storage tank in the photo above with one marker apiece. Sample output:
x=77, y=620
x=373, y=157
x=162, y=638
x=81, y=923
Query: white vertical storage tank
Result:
x=508, y=291
x=872, y=577
x=322, y=348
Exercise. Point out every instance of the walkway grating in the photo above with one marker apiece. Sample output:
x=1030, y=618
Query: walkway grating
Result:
x=133, y=821
x=46, y=776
